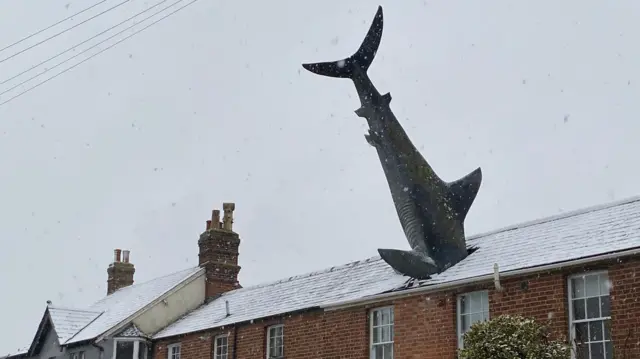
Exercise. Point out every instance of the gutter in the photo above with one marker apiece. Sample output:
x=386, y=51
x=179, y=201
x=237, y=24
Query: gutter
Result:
x=474, y=280
x=159, y=299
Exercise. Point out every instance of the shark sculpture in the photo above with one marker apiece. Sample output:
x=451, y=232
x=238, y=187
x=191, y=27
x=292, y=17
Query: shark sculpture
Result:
x=431, y=211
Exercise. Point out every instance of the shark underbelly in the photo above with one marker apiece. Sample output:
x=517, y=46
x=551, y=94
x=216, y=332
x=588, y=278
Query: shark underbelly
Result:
x=402, y=194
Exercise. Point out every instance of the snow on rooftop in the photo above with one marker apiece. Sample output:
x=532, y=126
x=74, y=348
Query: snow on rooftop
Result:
x=588, y=232
x=68, y=321
x=126, y=301
x=350, y=281
x=579, y=234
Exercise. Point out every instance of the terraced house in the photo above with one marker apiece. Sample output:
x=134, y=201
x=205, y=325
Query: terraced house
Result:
x=577, y=271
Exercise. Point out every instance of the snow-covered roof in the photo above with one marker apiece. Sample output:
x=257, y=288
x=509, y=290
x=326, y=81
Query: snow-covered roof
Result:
x=67, y=321
x=123, y=303
x=585, y=233
x=350, y=281
x=579, y=234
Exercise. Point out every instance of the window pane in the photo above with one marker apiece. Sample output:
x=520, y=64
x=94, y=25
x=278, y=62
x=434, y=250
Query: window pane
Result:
x=385, y=317
x=605, y=306
x=605, y=284
x=280, y=330
x=582, y=333
x=592, y=286
x=376, y=318
x=142, y=350
x=464, y=304
x=608, y=346
x=597, y=350
x=376, y=352
x=376, y=335
x=582, y=351
x=388, y=351
x=579, y=309
x=464, y=323
x=386, y=334
x=577, y=287
x=278, y=342
x=124, y=350
x=476, y=306
x=485, y=315
x=607, y=329
x=593, y=308
x=595, y=331
x=391, y=311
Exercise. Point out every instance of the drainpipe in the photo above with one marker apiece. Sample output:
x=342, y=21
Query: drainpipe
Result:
x=100, y=348
x=235, y=341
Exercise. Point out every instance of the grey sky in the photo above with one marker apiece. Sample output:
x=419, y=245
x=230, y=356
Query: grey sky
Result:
x=135, y=147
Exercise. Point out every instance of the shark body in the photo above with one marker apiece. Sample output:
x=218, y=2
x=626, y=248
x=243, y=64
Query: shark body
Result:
x=431, y=211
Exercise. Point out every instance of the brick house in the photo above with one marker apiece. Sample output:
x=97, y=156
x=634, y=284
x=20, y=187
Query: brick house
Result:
x=576, y=270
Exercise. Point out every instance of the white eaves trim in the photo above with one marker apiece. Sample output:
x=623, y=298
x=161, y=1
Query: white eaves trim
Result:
x=159, y=299
x=472, y=280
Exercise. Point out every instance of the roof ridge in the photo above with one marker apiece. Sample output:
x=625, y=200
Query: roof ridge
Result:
x=58, y=307
x=309, y=274
x=572, y=213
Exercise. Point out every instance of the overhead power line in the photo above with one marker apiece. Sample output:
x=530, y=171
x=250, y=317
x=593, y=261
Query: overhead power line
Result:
x=75, y=46
x=50, y=26
x=103, y=50
x=63, y=31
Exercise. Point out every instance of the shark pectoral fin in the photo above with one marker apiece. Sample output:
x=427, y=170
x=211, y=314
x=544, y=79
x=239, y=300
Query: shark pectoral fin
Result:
x=463, y=192
x=410, y=263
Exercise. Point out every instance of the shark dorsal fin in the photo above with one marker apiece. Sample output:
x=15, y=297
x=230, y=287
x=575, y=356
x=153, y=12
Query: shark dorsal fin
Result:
x=463, y=192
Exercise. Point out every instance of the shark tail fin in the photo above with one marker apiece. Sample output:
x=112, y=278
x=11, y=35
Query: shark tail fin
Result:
x=361, y=59
x=410, y=263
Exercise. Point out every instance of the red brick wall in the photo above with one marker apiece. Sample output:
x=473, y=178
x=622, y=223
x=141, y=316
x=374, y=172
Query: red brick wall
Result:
x=425, y=324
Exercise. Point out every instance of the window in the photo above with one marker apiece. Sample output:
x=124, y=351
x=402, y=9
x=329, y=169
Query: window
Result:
x=220, y=347
x=381, y=320
x=81, y=355
x=590, y=315
x=472, y=308
x=173, y=351
x=275, y=342
x=124, y=349
x=73, y=355
x=142, y=350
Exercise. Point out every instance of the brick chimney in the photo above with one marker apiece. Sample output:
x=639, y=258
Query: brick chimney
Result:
x=218, y=253
x=120, y=271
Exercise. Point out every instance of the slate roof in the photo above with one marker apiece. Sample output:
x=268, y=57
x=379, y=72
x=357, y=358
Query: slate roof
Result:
x=585, y=233
x=126, y=301
x=67, y=321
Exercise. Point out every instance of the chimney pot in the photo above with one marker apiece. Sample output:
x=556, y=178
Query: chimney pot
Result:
x=208, y=225
x=215, y=218
x=125, y=256
x=116, y=255
x=227, y=220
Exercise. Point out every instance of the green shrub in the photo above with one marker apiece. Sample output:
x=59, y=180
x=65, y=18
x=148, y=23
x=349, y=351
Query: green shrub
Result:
x=511, y=337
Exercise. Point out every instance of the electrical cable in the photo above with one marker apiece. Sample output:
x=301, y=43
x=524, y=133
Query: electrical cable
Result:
x=101, y=51
x=73, y=47
x=50, y=26
x=62, y=32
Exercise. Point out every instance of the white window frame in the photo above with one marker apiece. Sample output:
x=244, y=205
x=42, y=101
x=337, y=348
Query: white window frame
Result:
x=136, y=346
x=572, y=322
x=269, y=329
x=170, y=350
x=391, y=324
x=215, y=346
x=459, y=314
